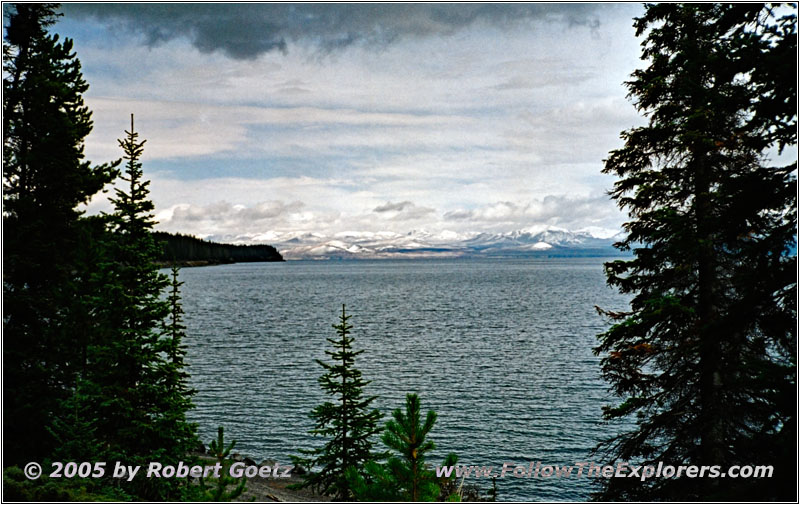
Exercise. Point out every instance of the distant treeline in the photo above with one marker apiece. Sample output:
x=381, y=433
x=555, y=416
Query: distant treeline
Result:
x=187, y=250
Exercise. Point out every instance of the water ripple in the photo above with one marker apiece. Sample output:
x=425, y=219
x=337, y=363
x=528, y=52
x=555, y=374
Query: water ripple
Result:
x=500, y=349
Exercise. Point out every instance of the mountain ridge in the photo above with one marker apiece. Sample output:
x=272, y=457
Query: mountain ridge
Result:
x=533, y=241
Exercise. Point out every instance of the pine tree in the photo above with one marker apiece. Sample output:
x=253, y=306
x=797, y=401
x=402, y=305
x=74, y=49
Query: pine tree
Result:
x=407, y=435
x=45, y=179
x=705, y=359
x=220, y=490
x=348, y=422
x=405, y=476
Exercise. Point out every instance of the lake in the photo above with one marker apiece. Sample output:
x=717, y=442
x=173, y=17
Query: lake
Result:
x=501, y=349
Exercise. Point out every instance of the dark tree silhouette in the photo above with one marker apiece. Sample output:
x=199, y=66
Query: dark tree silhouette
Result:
x=705, y=359
x=136, y=369
x=45, y=178
x=347, y=421
x=186, y=249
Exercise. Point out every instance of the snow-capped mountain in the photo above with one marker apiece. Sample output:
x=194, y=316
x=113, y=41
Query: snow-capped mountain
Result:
x=422, y=243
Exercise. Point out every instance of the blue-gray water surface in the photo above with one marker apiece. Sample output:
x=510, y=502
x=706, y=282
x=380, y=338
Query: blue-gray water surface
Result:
x=501, y=349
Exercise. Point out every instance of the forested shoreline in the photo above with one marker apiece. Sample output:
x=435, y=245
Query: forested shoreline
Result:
x=186, y=250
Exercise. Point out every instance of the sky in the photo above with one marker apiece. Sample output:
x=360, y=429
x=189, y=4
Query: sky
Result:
x=269, y=119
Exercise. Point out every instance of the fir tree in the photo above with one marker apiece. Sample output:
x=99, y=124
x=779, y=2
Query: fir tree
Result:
x=136, y=368
x=175, y=374
x=74, y=430
x=348, y=422
x=45, y=179
x=123, y=365
x=706, y=357
x=178, y=436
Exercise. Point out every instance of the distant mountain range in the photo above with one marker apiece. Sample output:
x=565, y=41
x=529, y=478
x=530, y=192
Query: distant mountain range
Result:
x=537, y=241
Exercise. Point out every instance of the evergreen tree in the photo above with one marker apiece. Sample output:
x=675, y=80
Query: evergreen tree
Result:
x=178, y=436
x=176, y=377
x=123, y=363
x=348, y=421
x=405, y=476
x=706, y=357
x=73, y=426
x=192, y=251
x=407, y=435
x=135, y=381
x=220, y=491
x=45, y=179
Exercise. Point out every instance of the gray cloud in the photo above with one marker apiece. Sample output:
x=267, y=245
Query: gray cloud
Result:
x=245, y=31
x=459, y=215
x=566, y=211
x=563, y=78
x=225, y=212
x=404, y=211
x=389, y=206
x=414, y=213
x=270, y=210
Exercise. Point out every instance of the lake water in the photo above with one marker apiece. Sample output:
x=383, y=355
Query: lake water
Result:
x=500, y=348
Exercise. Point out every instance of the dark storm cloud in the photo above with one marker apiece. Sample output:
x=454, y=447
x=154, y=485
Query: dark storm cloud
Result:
x=245, y=31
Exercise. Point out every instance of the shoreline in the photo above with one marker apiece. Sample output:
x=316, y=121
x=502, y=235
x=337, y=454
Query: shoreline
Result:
x=207, y=263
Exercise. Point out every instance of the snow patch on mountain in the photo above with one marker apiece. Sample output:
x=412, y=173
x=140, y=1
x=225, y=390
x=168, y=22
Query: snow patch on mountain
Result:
x=423, y=243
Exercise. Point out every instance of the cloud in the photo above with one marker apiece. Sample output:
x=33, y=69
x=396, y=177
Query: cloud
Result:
x=485, y=116
x=266, y=220
x=223, y=219
x=182, y=128
x=245, y=31
x=571, y=212
x=403, y=211
x=389, y=206
x=560, y=78
x=223, y=216
x=578, y=132
x=222, y=211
